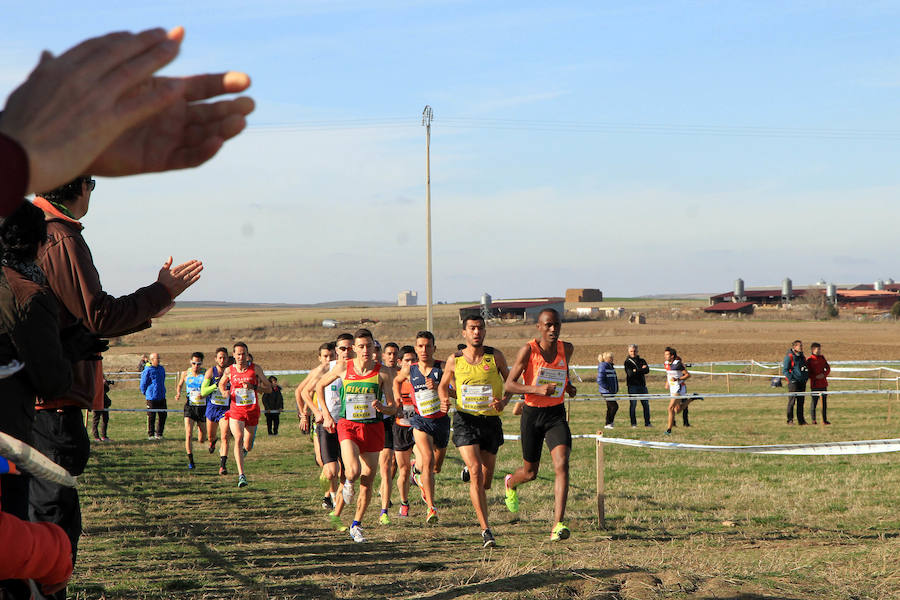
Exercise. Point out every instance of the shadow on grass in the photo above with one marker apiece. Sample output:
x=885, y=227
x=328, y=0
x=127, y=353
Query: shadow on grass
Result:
x=527, y=581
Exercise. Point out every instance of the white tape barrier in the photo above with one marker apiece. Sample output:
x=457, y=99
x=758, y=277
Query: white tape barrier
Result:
x=822, y=449
x=28, y=459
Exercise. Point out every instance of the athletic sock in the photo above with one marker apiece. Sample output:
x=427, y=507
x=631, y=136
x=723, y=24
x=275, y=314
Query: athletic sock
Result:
x=223, y=460
x=355, y=524
x=384, y=511
x=191, y=458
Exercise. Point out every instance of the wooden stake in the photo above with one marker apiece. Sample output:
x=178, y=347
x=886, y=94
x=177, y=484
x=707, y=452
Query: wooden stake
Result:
x=601, y=483
x=896, y=396
x=728, y=382
x=879, y=378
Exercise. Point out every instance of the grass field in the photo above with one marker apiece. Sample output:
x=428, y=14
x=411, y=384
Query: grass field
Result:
x=679, y=524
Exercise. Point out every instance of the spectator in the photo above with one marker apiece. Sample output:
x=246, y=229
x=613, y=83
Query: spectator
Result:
x=153, y=387
x=29, y=333
x=101, y=417
x=795, y=371
x=273, y=404
x=608, y=384
x=818, y=371
x=636, y=371
x=143, y=362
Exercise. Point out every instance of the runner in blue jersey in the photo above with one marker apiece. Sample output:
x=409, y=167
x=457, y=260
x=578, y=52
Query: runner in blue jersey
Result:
x=216, y=407
x=191, y=381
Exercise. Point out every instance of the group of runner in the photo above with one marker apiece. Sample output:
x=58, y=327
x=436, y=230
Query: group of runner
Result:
x=376, y=408
x=225, y=401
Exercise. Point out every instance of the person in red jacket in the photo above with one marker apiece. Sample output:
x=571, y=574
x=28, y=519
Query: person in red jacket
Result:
x=38, y=551
x=818, y=380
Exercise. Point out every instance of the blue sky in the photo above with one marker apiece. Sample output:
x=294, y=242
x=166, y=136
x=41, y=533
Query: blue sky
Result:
x=641, y=147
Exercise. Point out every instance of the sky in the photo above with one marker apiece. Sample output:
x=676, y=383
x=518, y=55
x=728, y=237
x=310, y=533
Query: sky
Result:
x=639, y=148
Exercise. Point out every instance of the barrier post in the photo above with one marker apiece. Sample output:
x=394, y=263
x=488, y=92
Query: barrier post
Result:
x=710, y=371
x=728, y=382
x=879, y=378
x=601, y=483
x=896, y=397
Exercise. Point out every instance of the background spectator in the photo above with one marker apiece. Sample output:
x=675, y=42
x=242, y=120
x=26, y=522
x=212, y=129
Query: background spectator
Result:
x=636, y=370
x=273, y=401
x=795, y=371
x=818, y=370
x=608, y=384
x=153, y=387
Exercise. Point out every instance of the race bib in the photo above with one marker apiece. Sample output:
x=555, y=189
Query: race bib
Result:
x=195, y=398
x=676, y=387
x=428, y=403
x=244, y=397
x=359, y=407
x=406, y=412
x=557, y=376
x=476, y=398
x=218, y=399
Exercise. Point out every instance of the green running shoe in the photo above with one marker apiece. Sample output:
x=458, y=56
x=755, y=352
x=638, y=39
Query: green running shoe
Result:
x=242, y=481
x=512, y=498
x=432, y=517
x=560, y=532
x=384, y=519
x=336, y=522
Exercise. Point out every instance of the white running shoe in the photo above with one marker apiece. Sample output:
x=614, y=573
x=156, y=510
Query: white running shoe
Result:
x=356, y=534
x=347, y=492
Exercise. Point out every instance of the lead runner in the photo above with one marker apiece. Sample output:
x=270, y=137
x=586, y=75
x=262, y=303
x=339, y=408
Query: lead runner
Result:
x=545, y=365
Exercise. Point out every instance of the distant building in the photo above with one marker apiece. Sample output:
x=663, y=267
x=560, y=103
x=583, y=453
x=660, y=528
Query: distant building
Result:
x=724, y=308
x=526, y=309
x=584, y=295
x=407, y=298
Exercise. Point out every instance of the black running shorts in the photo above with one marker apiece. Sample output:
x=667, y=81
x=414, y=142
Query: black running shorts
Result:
x=329, y=447
x=388, y=433
x=196, y=413
x=471, y=430
x=403, y=438
x=543, y=423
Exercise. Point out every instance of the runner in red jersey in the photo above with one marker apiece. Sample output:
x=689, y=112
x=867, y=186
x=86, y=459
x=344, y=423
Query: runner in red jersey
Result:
x=242, y=381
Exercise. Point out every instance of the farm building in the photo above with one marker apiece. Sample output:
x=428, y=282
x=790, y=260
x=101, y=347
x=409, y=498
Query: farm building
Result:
x=731, y=308
x=584, y=295
x=874, y=299
x=526, y=309
x=407, y=298
x=880, y=295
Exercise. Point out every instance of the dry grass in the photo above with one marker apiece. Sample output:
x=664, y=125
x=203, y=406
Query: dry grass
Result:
x=680, y=524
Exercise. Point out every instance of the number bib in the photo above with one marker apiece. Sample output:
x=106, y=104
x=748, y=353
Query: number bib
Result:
x=557, y=376
x=218, y=399
x=405, y=414
x=428, y=403
x=359, y=407
x=195, y=398
x=476, y=398
x=244, y=397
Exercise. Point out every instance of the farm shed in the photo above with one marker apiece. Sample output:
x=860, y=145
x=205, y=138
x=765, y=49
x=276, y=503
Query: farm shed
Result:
x=584, y=295
x=725, y=308
x=875, y=299
x=526, y=309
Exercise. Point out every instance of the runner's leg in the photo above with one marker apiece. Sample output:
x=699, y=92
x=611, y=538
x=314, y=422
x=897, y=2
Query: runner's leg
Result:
x=560, y=456
x=471, y=455
x=237, y=431
x=368, y=465
x=425, y=445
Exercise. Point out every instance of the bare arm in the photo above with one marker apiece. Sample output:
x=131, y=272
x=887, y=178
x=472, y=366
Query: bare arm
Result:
x=321, y=384
x=570, y=349
x=402, y=376
x=226, y=377
x=263, y=384
x=503, y=369
x=179, y=385
x=444, y=386
x=514, y=386
x=388, y=407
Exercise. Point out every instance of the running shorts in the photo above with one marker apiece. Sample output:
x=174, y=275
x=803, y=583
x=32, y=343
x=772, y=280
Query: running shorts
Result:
x=543, y=423
x=388, y=433
x=194, y=412
x=483, y=431
x=438, y=429
x=402, y=438
x=329, y=446
x=368, y=437
x=249, y=415
x=214, y=412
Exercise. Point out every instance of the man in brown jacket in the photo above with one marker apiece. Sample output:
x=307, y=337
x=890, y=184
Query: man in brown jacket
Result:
x=59, y=430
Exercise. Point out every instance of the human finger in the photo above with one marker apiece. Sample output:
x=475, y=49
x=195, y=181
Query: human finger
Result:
x=136, y=69
x=176, y=33
x=185, y=265
x=167, y=264
x=105, y=51
x=209, y=85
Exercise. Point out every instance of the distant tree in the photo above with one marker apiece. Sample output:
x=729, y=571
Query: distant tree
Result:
x=895, y=310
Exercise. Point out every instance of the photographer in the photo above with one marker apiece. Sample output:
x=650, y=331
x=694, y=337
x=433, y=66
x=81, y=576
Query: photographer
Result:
x=795, y=371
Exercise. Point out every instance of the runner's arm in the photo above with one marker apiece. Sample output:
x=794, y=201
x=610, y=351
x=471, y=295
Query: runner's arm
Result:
x=512, y=385
x=570, y=349
x=263, y=384
x=444, y=385
x=225, y=378
x=388, y=407
x=208, y=387
x=503, y=369
x=179, y=385
x=402, y=376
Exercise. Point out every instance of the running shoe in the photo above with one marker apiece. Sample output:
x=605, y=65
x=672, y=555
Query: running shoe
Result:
x=384, y=519
x=327, y=503
x=432, y=517
x=347, y=492
x=223, y=470
x=97, y=437
x=190, y=465
x=212, y=448
x=356, y=534
x=242, y=480
x=464, y=475
x=560, y=532
x=404, y=509
x=608, y=426
x=336, y=522
x=668, y=432
x=158, y=436
x=151, y=438
x=244, y=452
x=487, y=539
x=512, y=497
x=105, y=439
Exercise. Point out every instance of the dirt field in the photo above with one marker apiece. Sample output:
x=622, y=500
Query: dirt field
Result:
x=287, y=338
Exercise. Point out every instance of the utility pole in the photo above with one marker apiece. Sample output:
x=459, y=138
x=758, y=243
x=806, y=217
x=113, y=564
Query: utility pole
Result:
x=427, y=116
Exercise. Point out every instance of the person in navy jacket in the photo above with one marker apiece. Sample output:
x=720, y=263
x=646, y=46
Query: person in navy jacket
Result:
x=608, y=384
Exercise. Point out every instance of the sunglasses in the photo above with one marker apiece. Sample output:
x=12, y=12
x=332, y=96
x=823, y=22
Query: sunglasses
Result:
x=196, y=363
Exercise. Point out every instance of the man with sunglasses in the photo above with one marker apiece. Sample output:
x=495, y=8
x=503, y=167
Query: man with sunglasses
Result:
x=194, y=405
x=66, y=261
